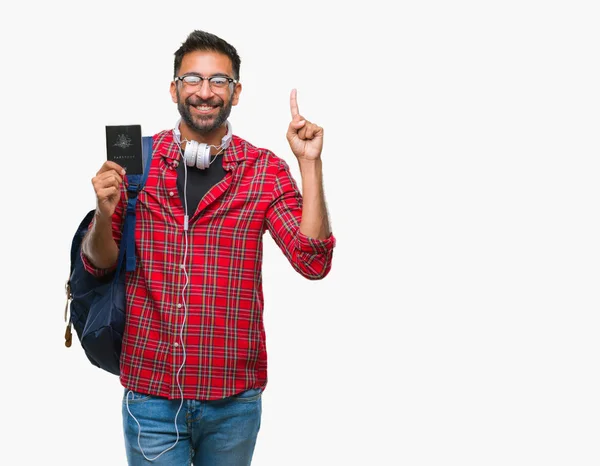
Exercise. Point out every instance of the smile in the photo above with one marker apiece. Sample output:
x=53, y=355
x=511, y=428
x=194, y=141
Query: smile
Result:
x=204, y=108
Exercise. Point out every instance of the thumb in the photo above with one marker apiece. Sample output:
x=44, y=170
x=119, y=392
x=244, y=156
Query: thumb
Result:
x=295, y=125
x=297, y=122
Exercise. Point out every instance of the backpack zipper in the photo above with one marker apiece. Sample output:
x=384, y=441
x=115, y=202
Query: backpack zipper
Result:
x=68, y=334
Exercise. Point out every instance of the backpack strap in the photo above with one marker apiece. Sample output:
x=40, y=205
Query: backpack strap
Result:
x=135, y=185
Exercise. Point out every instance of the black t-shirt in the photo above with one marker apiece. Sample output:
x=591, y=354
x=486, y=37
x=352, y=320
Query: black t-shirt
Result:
x=198, y=182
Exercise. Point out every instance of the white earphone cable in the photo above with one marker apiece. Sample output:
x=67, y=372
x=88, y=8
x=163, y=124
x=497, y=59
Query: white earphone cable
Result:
x=185, y=253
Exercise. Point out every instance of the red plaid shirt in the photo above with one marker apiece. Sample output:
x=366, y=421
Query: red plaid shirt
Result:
x=223, y=339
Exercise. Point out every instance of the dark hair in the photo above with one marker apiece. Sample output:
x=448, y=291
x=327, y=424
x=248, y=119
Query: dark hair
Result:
x=200, y=40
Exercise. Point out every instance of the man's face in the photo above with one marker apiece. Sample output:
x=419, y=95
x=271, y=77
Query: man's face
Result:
x=202, y=108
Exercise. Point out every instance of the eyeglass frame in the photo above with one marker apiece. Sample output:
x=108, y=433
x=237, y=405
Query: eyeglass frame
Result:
x=202, y=78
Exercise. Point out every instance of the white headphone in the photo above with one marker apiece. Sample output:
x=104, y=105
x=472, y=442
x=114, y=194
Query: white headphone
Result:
x=197, y=154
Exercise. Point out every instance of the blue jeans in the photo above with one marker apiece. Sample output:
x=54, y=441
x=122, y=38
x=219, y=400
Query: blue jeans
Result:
x=211, y=433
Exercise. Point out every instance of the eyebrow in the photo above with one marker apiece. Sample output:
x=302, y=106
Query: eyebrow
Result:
x=193, y=73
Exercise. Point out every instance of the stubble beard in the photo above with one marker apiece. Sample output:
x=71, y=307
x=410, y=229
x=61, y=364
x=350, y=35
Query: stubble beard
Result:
x=201, y=124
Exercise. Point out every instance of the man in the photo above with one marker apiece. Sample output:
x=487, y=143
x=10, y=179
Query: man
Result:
x=194, y=360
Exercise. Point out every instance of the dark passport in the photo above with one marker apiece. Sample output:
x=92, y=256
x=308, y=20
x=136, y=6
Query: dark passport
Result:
x=124, y=146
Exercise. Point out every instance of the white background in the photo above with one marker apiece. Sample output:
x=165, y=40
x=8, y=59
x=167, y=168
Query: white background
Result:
x=459, y=324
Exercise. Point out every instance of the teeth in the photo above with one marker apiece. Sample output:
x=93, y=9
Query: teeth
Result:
x=203, y=107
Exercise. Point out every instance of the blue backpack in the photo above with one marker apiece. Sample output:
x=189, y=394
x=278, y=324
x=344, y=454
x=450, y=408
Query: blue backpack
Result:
x=97, y=304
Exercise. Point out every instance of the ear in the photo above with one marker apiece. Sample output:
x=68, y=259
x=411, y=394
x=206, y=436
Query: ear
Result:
x=236, y=94
x=173, y=90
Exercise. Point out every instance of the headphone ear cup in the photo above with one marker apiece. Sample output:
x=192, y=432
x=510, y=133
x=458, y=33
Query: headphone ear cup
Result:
x=197, y=155
x=203, y=156
x=191, y=148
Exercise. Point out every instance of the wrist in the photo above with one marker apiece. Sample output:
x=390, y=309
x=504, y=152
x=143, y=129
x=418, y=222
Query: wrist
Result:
x=101, y=218
x=308, y=166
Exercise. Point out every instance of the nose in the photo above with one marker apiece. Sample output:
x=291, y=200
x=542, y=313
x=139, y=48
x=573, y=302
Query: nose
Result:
x=205, y=92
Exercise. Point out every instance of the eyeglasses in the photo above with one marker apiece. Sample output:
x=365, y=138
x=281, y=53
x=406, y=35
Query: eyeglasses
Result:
x=216, y=83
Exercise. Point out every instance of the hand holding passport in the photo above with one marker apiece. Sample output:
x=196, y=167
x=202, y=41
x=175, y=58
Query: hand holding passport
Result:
x=124, y=146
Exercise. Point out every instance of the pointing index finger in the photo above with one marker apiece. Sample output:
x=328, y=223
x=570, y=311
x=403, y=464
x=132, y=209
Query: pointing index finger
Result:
x=294, y=103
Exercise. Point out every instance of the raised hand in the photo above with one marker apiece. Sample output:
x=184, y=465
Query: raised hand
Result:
x=305, y=138
x=107, y=184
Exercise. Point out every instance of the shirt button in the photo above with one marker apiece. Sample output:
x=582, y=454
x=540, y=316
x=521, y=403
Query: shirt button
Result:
x=171, y=193
x=176, y=163
x=176, y=345
x=179, y=306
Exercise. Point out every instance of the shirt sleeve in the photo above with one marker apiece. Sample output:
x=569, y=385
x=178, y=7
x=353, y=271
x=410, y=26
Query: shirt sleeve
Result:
x=311, y=257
